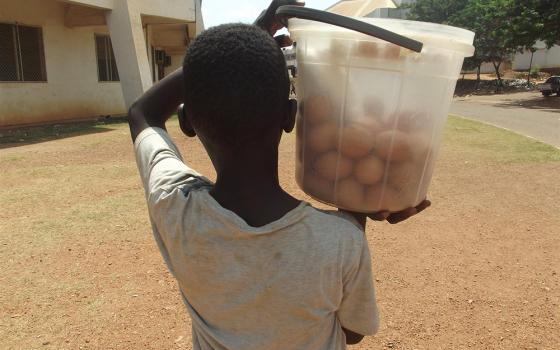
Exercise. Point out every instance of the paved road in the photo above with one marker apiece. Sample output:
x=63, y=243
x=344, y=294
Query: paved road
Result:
x=527, y=113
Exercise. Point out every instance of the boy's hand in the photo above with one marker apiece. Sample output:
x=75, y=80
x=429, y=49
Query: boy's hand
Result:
x=267, y=20
x=392, y=218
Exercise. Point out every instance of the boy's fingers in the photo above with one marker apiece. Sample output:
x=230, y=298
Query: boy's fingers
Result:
x=379, y=216
x=425, y=204
x=267, y=19
x=394, y=218
x=402, y=215
x=283, y=40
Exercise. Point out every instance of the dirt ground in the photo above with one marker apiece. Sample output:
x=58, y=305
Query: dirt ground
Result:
x=479, y=269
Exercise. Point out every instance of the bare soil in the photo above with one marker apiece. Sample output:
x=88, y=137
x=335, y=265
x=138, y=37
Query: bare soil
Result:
x=80, y=270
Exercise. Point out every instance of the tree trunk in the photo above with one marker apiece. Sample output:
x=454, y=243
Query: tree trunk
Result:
x=478, y=75
x=530, y=66
x=499, y=84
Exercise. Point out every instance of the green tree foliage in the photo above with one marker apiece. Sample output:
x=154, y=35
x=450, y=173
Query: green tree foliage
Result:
x=437, y=11
x=502, y=27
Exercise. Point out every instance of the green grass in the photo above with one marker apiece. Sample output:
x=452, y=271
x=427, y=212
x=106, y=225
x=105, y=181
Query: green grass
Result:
x=492, y=144
x=34, y=134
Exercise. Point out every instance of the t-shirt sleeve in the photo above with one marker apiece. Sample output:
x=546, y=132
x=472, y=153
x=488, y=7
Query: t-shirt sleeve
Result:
x=160, y=163
x=358, y=310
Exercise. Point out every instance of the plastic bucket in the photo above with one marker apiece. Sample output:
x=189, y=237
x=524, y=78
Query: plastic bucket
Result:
x=371, y=113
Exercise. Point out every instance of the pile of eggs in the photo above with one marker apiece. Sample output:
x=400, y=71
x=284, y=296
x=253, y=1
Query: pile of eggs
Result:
x=362, y=162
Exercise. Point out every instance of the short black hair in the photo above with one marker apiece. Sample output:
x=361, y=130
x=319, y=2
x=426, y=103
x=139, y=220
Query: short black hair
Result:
x=236, y=83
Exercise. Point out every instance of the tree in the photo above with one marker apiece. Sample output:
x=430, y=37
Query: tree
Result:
x=436, y=11
x=473, y=63
x=502, y=27
x=549, y=16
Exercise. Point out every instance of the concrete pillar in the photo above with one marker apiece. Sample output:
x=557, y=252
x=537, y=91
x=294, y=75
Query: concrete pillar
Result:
x=149, y=40
x=129, y=45
x=198, y=17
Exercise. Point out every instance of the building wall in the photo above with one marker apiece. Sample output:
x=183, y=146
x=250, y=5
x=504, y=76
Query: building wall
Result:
x=176, y=62
x=72, y=90
x=543, y=58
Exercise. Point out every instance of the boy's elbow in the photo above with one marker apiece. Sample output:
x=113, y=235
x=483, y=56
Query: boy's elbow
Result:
x=134, y=112
x=136, y=120
x=352, y=338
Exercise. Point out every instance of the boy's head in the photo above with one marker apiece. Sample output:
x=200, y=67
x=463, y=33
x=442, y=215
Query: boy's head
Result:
x=236, y=88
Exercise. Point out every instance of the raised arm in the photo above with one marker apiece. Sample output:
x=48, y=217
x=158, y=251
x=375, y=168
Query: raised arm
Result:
x=157, y=104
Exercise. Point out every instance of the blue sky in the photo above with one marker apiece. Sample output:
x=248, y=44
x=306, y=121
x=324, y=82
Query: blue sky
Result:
x=217, y=12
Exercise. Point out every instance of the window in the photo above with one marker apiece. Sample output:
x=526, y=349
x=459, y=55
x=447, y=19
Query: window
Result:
x=22, y=56
x=106, y=63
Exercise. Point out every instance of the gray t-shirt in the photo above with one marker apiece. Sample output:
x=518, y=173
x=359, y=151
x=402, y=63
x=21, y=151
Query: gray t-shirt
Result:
x=291, y=284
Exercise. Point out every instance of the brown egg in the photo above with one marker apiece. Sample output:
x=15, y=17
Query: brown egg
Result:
x=322, y=137
x=349, y=194
x=393, y=145
x=369, y=123
x=406, y=194
x=318, y=187
x=338, y=51
x=420, y=145
x=409, y=121
x=391, y=52
x=400, y=175
x=367, y=49
x=369, y=170
x=374, y=106
x=356, y=141
x=380, y=198
x=332, y=166
x=317, y=108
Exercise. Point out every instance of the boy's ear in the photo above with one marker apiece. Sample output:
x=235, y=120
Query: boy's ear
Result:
x=184, y=122
x=290, y=121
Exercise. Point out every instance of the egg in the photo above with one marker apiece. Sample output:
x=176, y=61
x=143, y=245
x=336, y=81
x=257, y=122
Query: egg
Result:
x=322, y=137
x=349, y=194
x=407, y=194
x=400, y=175
x=369, y=170
x=380, y=198
x=391, y=52
x=367, y=49
x=393, y=145
x=368, y=122
x=374, y=106
x=420, y=145
x=332, y=166
x=317, y=108
x=412, y=121
x=338, y=50
x=356, y=141
x=318, y=187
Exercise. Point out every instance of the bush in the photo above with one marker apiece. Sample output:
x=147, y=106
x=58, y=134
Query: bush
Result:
x=535, y=70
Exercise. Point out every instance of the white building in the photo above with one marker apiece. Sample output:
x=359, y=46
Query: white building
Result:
x=74, y=59
x=543, y=58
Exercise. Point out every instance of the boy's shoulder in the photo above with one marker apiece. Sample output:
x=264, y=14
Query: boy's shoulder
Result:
x=336, y=224
x=337, y=217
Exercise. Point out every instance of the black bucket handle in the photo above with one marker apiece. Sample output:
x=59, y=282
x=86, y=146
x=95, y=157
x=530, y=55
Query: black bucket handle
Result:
x=290, y=11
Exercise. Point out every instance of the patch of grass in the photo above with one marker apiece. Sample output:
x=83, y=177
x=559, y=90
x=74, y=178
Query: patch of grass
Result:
x=492, y=144
x=12, y=158
x=35, y=134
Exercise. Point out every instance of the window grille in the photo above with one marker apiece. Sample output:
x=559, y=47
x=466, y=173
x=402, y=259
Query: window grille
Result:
x=106, y=63
x=22, y=55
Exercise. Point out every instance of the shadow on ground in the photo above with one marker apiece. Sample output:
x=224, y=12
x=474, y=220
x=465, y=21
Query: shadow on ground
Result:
x=36, y=134
x=548, y=104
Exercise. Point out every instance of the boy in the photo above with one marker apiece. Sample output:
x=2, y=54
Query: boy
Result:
x=257, y=268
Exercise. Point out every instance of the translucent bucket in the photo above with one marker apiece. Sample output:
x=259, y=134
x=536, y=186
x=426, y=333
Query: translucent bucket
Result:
x=371, y=113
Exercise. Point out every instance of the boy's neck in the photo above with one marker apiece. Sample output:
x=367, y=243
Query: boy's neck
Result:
x=248, y=185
